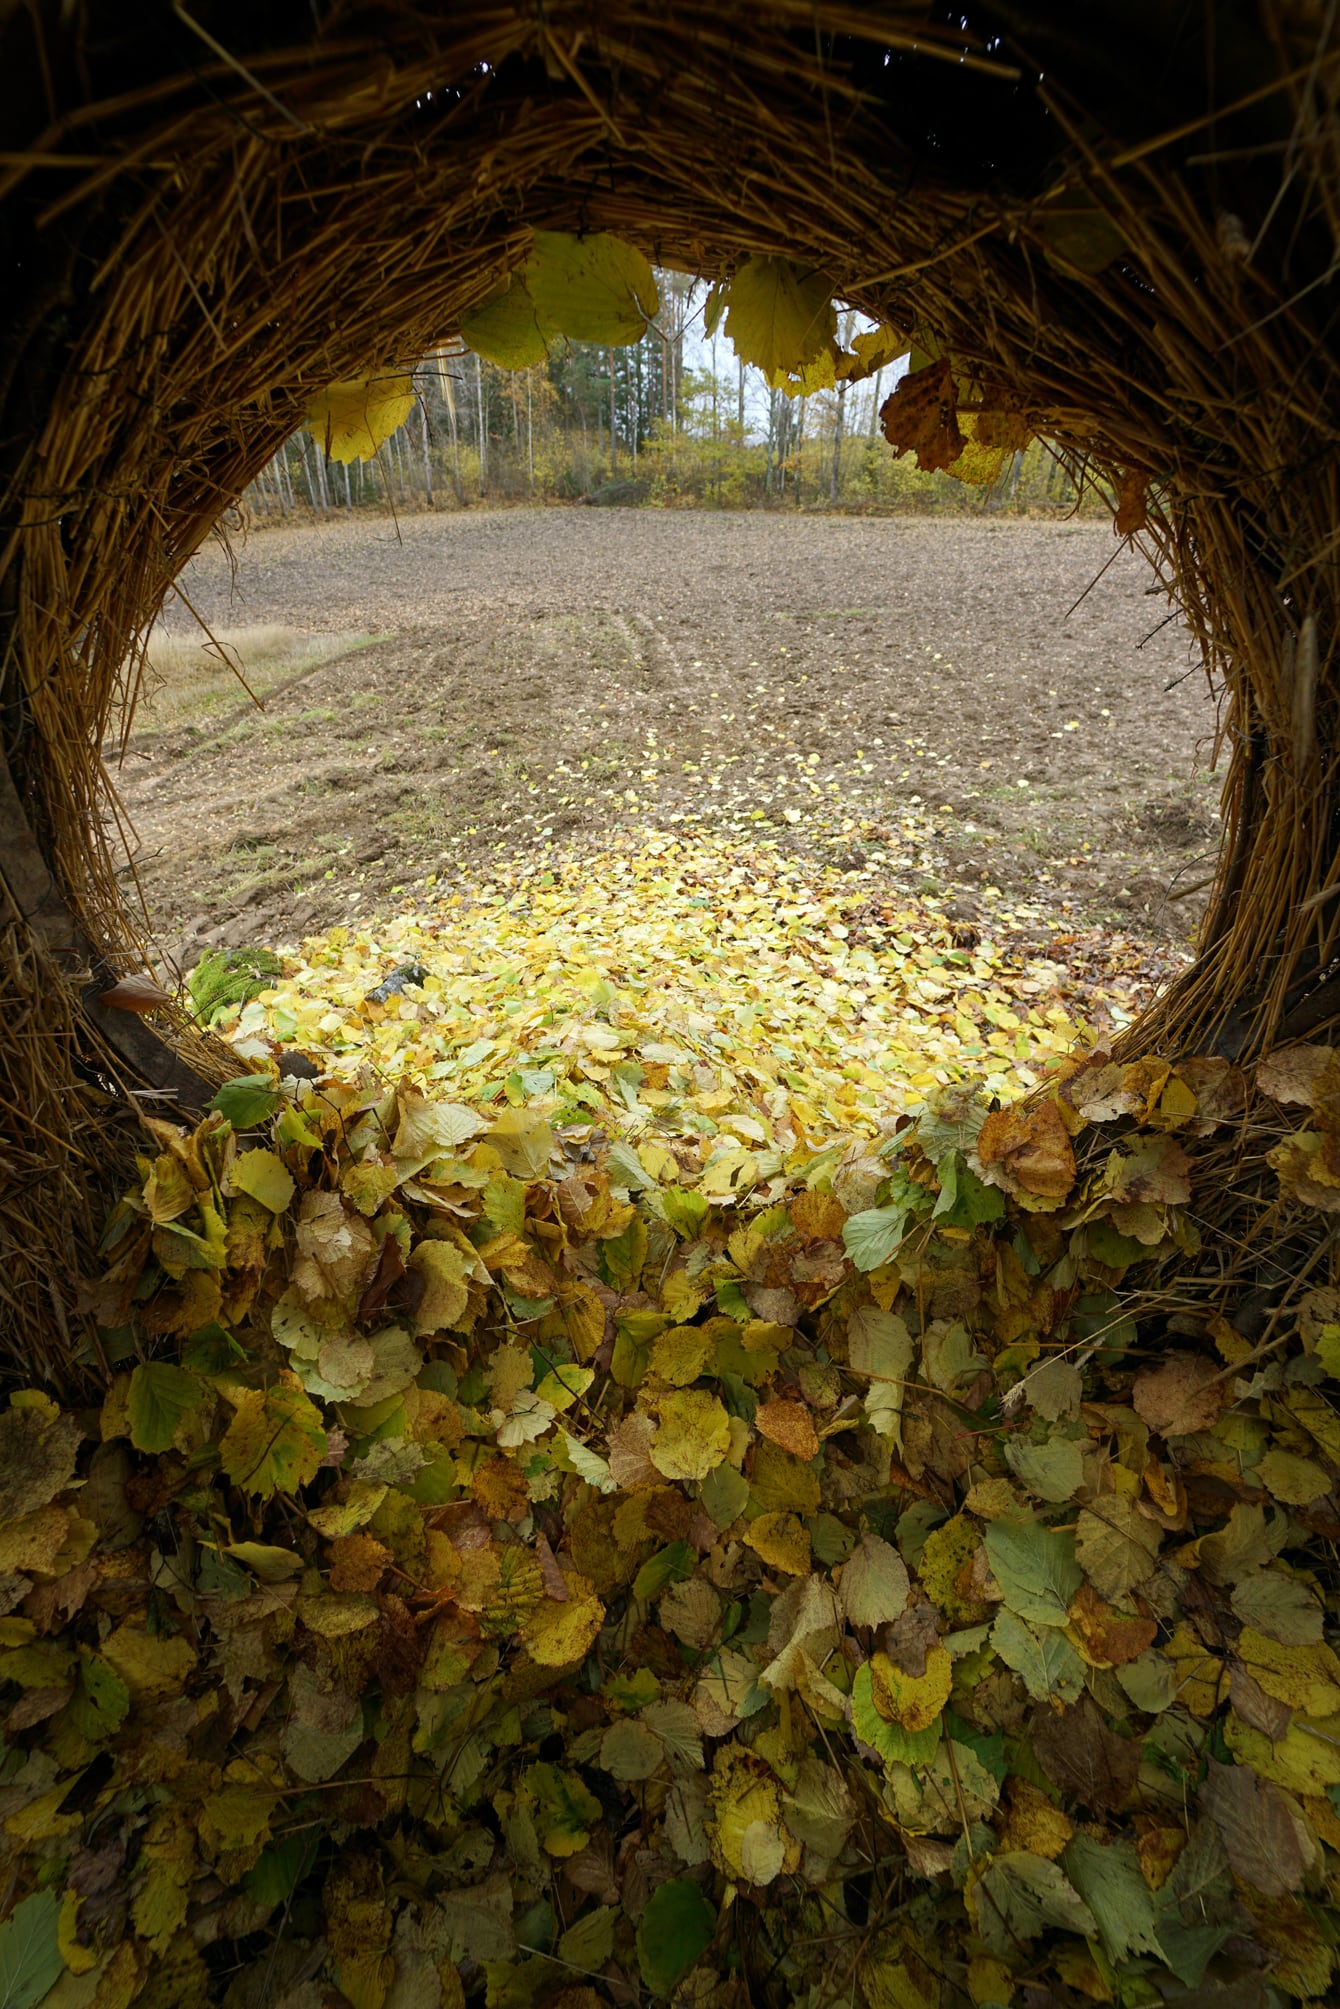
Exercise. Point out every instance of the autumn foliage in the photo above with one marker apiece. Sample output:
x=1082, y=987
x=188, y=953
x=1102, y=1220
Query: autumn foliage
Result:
x=522, y=1561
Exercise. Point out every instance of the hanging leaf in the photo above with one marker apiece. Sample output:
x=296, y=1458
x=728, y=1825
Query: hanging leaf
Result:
x=591, y=289
x=350, y=420
x=919, y=416
x=779, y=315
x=870, y=352
x=1076, y=232
x=506, y=330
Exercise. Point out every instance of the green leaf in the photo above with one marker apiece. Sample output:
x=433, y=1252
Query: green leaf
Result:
x=588, y=1464
x=1053, y=1470
x=675, y=1928
x=506, y=329
x=779, y=315
x=1099, y=1317
x=879, y=1353
x=1046, y=1660
x=589, y=1943
x=872, y=1237
x=965, y=1200
x=211, y=1349
x=669, y=1565
x=1035, y=1568
x=1117, y=1547
x=275, y=1442
x=30, y=1959
x=592, y=289
x=725, y=1494
x=565, y=1810
x=281, y=1867
x=160, y=1395
x=247, y=1100
x=100, y=1701
x=1019, y=1895
x=895, y=1745
x=626, y=1168
x=686, y=1211
x=1108, y=1878
x=1278, y=1605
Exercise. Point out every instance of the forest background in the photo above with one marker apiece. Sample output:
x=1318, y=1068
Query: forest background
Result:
x=675, y=413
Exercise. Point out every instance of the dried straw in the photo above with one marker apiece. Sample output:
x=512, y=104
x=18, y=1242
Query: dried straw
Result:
x=264, y=216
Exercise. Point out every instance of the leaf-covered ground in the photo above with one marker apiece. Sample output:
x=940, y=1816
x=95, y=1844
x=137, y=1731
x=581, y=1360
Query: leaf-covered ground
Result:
x=640, y=1483
x=742, y=1005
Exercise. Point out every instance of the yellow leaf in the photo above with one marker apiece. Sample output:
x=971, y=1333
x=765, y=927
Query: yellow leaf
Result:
x=748, y=1837
x=1306, y=1678
x=445, y=1270
x=694, y=1434
x=506, y=329
x=912, y=1701
x=274, y=1443
x=264, y=1175
x=1306, y=1759
x=592, y=289
x=557, y=1634
x=680, y=1355
x=169, y=1858
x=782, y=1541
x=238, y=1816
x=779, y=315
x=149, y=1664
x=349, y=420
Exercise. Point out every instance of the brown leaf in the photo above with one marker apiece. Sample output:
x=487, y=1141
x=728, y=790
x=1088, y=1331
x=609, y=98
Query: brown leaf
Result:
x=555, y=1583
x=139, y=994
x=1132, y=502
x=920, y=417
x=910, y=1637
x=1155, y=1171
x=1026, y=1150
x=35, y=1705
x=1268, y=1842
x=358, y=1562
x=1291, y=1073
x=387, y=1274
x=1182, y=1395
x=1258, y=1710
x=499, y=1485
x=400, y=1646
x=591, y=1871
x=817, y=1217
x=790, y=1425
x=1110, y=1638
x=1084, y=1758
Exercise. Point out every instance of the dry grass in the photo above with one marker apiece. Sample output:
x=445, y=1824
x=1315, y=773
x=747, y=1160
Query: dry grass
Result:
x=189, y=677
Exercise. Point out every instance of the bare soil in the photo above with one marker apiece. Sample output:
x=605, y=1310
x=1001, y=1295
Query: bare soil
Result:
x=932, y=705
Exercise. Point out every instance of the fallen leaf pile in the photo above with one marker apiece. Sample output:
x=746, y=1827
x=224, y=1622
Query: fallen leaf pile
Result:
x=509, y=1568
x=741, y=1008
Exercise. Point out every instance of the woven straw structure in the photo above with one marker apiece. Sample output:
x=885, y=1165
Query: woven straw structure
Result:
x=209, y=211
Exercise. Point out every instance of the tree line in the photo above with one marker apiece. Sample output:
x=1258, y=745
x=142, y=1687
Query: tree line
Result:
x=677, y=415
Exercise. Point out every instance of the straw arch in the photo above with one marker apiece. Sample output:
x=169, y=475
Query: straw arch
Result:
x=211, y=211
